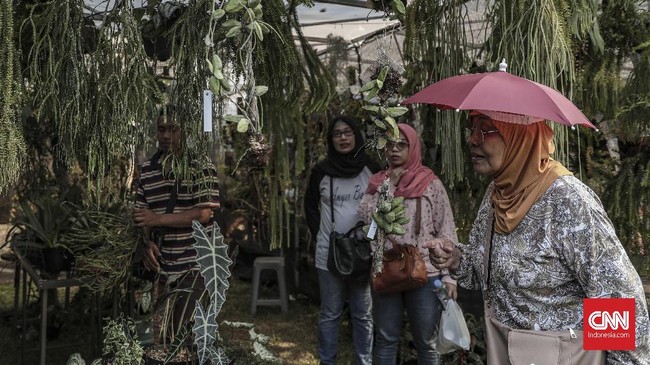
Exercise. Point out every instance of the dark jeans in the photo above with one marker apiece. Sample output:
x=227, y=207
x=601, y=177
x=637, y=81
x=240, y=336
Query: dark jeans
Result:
x=423, y=309
x=334, y=292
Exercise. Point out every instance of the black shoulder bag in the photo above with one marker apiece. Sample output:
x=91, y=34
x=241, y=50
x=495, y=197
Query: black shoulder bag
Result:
x=349, y=253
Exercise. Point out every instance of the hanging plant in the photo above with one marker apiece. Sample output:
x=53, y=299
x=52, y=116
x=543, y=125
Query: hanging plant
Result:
x=96, y=101
x=636, y=98
x=435, y=47
x=12, y=144
x=247, y=29
x=219, y=47
x=537, y=41
x=123, y=93
x=383, y=117
x=306, y=86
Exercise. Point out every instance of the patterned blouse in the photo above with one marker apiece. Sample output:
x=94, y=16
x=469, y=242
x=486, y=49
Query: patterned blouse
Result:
x=565, y=249
x=436, y=221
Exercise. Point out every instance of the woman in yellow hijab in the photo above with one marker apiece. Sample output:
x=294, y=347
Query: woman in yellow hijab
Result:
x=541, y=243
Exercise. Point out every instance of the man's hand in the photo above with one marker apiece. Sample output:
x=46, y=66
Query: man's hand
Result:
x=145, y=218
x=443, y=253
x=150, y=258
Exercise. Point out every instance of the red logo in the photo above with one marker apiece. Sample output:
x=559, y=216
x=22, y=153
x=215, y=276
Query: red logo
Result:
x=609, y=324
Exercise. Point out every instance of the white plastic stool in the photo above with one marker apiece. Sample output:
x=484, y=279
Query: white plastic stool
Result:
x=269, y=263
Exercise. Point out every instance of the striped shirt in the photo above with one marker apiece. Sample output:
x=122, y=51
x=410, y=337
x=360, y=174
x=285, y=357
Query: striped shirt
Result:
x=201, y=191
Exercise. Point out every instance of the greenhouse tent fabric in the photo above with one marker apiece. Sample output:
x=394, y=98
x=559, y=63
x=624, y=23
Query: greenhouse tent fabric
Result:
x=369, y=34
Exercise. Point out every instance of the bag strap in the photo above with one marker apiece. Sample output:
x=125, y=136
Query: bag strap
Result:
x=332, y=200
x=488, y=248
x=171, y=203
x=154, y=160
x=173, y=195
x=418, y=216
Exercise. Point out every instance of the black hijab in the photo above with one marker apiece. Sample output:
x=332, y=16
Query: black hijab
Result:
x=345, y=165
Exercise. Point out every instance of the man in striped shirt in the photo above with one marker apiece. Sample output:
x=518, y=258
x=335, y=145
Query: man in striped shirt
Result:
x=197, y=194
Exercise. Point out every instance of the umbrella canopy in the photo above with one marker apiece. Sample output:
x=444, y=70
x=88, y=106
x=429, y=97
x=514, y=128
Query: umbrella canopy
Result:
x=502, y=96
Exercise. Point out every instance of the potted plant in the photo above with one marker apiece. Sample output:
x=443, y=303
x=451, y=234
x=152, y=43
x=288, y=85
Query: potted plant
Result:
x=103, y=240
x=214, y=266
x=41, y=221
x=121, y=345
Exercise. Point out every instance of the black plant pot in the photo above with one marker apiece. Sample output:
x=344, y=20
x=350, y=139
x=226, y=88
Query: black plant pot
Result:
x=157, y=48
x=55, y=260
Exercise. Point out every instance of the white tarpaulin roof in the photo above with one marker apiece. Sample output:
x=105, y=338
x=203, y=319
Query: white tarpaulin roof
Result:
x=352, y=23
x=366, y=31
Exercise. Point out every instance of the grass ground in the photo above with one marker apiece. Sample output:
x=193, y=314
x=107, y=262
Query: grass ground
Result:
x=292, y=336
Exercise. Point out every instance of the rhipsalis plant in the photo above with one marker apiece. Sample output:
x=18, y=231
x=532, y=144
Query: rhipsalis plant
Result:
x=103, y=242
x=12, y=144
x=214, y=263
x=435, y=47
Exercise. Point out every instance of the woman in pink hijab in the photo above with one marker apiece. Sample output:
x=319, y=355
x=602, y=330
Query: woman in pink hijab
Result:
x=419, y=186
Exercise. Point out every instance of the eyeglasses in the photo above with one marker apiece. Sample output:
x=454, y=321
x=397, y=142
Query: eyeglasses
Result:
x=469, y=133
x=400, y=144
x=339, y=134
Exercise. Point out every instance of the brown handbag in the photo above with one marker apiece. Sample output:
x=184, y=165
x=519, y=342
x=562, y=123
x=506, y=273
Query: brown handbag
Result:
x=506, y=345
x=404, y=269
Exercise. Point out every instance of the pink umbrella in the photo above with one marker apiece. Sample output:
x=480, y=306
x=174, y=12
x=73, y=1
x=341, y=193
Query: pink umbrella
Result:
x=502, y=96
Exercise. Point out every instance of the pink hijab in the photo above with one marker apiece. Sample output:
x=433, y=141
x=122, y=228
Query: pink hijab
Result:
x=416, y=177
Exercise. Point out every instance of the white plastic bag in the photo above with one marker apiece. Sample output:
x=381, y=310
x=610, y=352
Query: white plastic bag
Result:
x=452, y=333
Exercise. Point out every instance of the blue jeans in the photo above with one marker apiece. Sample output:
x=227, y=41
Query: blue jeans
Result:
x=333, y=294
x=423, y=309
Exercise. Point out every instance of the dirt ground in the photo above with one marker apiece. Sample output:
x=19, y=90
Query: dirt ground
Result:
x=292, y=337
x=6, y=267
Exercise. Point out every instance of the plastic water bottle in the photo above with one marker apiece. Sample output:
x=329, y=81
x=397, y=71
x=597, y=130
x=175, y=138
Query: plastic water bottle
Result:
x=441, y=292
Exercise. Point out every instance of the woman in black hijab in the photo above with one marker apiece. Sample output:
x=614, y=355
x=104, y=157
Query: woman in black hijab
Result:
x=335, y=188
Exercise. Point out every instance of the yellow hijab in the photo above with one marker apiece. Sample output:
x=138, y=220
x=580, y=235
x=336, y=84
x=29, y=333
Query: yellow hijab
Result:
x=526, y=173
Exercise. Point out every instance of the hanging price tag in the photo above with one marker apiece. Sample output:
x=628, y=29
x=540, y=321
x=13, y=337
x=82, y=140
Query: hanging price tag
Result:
x=207, y=111
x=372, y=231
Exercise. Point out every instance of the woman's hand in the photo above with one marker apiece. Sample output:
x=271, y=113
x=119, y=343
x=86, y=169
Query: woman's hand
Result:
x=443, y=253
x=452, y=290
x=396, y=175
